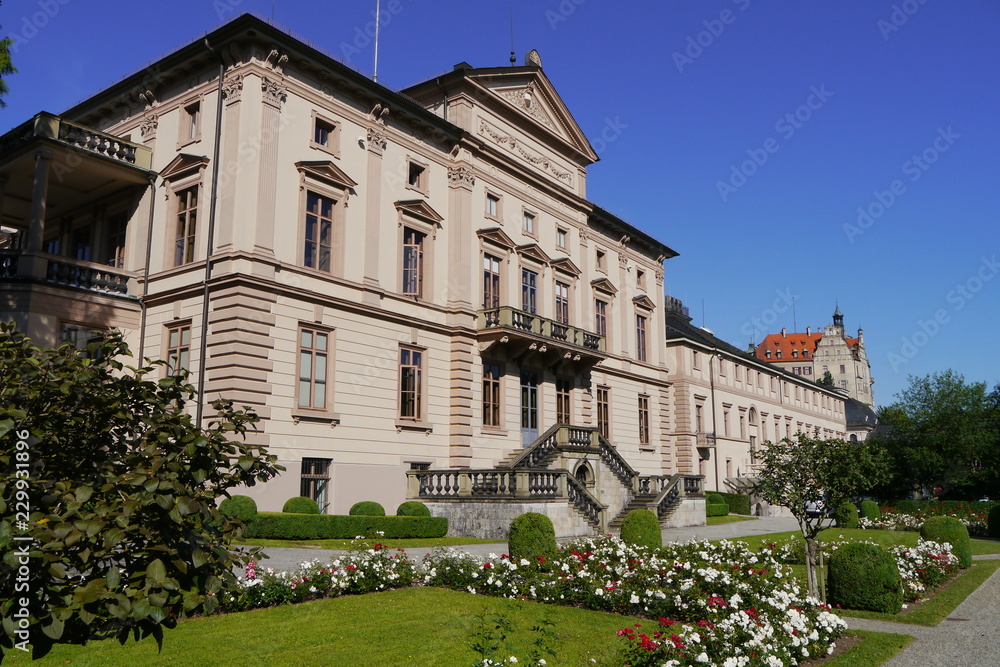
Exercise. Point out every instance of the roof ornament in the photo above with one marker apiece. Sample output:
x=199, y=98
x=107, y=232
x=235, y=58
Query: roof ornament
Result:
x=532, y=58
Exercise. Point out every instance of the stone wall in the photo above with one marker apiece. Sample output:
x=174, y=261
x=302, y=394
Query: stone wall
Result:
x=691, y=512
x=492, y=519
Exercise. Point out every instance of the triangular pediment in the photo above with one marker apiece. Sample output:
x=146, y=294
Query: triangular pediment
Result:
x=529, y=93
x=566, y=265
x=604, y=285
x=325, y=170
x=182, y=165
x=533, y=251
x=420, y=209
x=643, y=301
x=496, y=236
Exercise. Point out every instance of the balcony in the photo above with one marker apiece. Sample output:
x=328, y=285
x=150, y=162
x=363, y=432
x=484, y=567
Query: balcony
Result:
x=526, y=333
x=17, y=265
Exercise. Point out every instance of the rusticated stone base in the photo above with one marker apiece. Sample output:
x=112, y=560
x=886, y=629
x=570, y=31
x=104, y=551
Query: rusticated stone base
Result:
x=492, y=519
x=691, y=512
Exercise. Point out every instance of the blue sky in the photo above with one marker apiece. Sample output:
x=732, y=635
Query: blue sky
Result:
x=822, y=151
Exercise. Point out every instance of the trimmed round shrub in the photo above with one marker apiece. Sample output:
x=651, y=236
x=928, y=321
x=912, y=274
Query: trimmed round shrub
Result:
x=714, y=498
x=847, y=516
x=413, y=508
x=300, y=505
x=951, y=530
x=864, y=576
x=870, y=510
x=716, y=509
x=642, y=529
x=368, y=508
x=993, y=522
x=239, y=507
x=531, y=535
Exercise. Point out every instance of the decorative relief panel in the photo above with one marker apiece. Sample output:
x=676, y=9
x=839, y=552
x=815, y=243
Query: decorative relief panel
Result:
x=232, y=88
x=376, y=140
x=274, y=92
x=542, y=162
x=527, y=100
x=461, y=176
x=148, y=126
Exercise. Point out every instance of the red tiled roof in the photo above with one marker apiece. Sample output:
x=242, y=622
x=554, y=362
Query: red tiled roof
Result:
x=803, y=342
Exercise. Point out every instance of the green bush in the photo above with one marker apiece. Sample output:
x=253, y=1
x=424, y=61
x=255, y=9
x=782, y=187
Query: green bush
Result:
x=642, y=528
x=301, y=505
x=284, y=526
x=907, y=506
x=413, y=508
x=737, y=502
x=864, y=576
x=870, y=510
x=531, y=535
x=716, y=509
x=847, y=516
x=713, y=498
x=239, y=507
x=993, y=522
x=367, y=508
x=951, y=530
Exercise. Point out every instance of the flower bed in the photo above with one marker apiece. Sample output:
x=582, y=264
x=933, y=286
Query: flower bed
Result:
x=894, y=520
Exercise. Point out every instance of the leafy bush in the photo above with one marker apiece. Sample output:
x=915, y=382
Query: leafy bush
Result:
x=641, y=528
x=367, y=508
x=870, y=510
x=737, y=502
x=713, y=498
x=413, y=508
x=847, y=516
x=951, y=530
x=865, y=576
x=531, y=535
x=284, y=526
x=301, y=505
x=239, y=507
x=907, y=506
x=716, y=509
x=993, y=523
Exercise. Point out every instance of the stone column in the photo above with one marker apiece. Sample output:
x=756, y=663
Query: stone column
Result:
x=39, y=194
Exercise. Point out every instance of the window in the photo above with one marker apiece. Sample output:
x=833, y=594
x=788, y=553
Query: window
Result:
x=599, y=260
x=644, y=420
x=795, y=353
x=640, y=337
x=326, y=135
x=725, y=422
x=601, y=317
x=604, y=411
x=178, y=348
x=528, y=223
x=564, y=390
x=316, y=481
x=314, y=350
x=843, y=384
x=696, y=363
x=191, y=123
x=491, y=282
x=410, y=383
x=491, y=395
x=116, y=242
x=843, y=369
x=807, y=370
x=562, y=303
x=777, y=353
x=319, y=231
x=797, y=370
x=81, y=243
x=743, y=427
x=80, y=338
x=561, y=235
x=529, y=291
x=492, y=205
x=187, y=225
x=640, y=279
x=699, y=426
x=416, y=176
x=413, y=262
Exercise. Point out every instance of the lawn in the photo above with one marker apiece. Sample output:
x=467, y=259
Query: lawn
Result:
x=875, y=648
x=886, y=538
x=415, y=543
x=729, y=518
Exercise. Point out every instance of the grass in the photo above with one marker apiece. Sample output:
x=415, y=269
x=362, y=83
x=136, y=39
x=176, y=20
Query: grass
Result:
x=416, y=543
x=875, y=648
x=729, y=518
x=886, y=538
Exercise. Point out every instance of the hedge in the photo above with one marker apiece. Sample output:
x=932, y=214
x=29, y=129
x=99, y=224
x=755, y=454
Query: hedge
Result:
x=243, y=508
x=737, y=502
x=993, y=522
x=716, y=509
x=870, y=510
x=951, y=530
x=301, y=505
x=847, y=515
x=413, y=508
x=865, y=576
x=914, y=506
x=367, y=508
x=281, y=526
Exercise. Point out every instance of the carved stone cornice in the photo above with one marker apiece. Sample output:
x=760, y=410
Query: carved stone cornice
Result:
x=274, y=92
x=232, y=88
x=531, y=157
x=376, y=140
x=461, y=177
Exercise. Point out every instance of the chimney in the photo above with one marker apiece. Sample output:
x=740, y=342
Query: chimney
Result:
x=783, y=332
x=809, y=331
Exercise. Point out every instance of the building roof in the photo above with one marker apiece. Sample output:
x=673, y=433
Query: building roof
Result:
x=805, y=343
x=859, y=415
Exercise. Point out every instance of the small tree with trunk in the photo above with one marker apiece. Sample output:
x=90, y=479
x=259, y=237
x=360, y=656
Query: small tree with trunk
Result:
x=796, y=473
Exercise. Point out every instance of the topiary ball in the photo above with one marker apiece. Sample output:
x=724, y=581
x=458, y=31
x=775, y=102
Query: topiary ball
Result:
x=531, y=535
x=300, y=505
x=413, y=508
x=847, y=516
x=951, y=530
x=716, y=509
x=367, y=508
x=239, y=507
x=993, y=522
x=714, y=499
x=864, y=576
x=870, y=510
x=641, y=528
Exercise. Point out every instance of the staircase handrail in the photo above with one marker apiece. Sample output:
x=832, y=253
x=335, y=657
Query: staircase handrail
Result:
x=671, y=492
x=584, y=501
x=615, y=461
x=545, y=441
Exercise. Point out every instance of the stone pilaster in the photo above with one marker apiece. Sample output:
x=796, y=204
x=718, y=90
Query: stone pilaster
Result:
x=274, y=95
x=375, y=144
x=459, y=284
x=232, y=90
x=461, y=395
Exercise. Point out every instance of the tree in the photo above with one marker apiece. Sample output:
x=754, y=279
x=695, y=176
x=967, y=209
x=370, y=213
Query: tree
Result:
x=798, y=472
x=942, y=432
x=6, y=66
x=826, y=380
x=108, y=490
